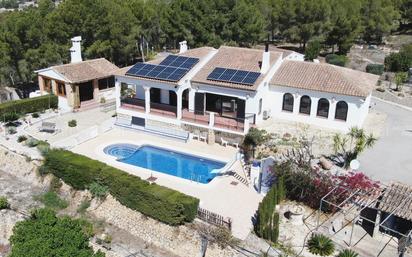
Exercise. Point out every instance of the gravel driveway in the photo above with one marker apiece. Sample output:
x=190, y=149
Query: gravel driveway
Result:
x=391, y=157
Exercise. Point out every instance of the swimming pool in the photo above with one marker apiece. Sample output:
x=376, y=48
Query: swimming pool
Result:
x=166, y=161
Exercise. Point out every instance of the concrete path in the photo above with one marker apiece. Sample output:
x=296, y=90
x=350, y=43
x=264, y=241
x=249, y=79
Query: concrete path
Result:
x=391, y=157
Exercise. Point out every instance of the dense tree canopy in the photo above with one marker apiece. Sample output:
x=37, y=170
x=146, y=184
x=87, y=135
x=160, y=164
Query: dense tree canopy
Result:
x=44, y=234
x=122, y=31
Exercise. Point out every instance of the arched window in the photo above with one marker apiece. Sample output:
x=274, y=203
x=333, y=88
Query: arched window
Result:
x=323, y=108
x=287, y=102
x=260, y=105
x=341, y=110
x=305, y=104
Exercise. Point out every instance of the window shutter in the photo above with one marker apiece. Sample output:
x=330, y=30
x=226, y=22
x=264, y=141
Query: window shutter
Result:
x=199, y=103
x=240, y=109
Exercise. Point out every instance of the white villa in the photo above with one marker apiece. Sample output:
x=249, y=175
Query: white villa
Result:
x=225, y=90
x=286, y=87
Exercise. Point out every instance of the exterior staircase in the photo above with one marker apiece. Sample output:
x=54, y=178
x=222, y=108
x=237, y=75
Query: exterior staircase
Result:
x=88, y=105
x=240, y=179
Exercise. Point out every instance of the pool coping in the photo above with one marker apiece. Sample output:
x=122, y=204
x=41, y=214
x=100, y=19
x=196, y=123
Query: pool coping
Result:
x=136, y=147
x=141, y=172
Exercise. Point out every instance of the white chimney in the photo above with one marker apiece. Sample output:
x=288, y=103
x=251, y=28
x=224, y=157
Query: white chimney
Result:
x=183, y=46
x=76, y=50
x=265, y=60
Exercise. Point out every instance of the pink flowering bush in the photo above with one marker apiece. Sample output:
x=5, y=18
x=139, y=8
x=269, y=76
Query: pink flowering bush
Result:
x=309, y=186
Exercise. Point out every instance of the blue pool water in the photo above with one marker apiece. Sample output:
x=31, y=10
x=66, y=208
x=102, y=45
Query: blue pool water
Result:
x=166, y=161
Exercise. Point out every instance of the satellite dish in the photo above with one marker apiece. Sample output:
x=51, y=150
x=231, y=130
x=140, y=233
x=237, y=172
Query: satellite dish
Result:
x=354, y=164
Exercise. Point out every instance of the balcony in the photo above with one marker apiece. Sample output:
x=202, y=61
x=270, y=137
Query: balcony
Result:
x=214, y=120
x=133, y=104
x=163, y=109
x=229, y=123
x=191, y=116
x=155, y=108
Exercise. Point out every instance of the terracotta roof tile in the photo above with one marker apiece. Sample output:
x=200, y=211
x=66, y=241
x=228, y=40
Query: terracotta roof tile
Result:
x=397, y=198
x=86, y=70
x=200, y=53
x=235, y=58
x=325, y=78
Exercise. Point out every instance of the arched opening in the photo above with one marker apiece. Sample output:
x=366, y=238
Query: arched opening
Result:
x=305, y=105
x=323, y=108
x=341, y=110
x=260, y=105
x=287, y=102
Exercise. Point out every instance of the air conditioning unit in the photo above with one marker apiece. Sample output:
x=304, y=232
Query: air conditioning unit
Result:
x=266, y=114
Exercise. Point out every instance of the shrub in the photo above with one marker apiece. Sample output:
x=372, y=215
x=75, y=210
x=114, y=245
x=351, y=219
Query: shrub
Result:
x=11, y=130
x=347, y=253
x=55, y=184
x=399, y=62
x=309, y=186
x=158, y=202
x=312, y=50
x=52, y=201
x=4, y=204
x=98, y=190
x=267, y=219
x=72, y=123
x=21, y=138
x=376, y=69
x=43, y=147
x=10, y=116
x=321, y=245
x=35, y=115
x=45, y=234
x=84, y=205
x=32, y=142
x=29, y=105
x=339, y=60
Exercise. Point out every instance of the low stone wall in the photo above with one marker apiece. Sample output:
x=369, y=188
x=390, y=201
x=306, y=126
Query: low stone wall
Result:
x=20, y=166
x=182, y=241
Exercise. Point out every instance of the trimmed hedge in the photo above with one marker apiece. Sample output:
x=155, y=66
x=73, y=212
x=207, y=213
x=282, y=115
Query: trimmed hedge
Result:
x=376, y=69
x=161, y=203
x=339, y=60
x=29, y=105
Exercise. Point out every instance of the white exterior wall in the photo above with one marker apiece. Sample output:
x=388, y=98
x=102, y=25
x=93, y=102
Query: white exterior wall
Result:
x=63, y=104
x=108, y=94
x=357, y=108
x=296, y=57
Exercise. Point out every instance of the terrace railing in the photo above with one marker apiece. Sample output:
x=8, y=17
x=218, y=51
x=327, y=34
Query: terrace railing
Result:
x=214, y=218
x=191, y=116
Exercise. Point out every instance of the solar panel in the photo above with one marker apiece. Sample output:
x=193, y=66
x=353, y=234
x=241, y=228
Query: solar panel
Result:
x=234, y=76
x=179, y=61
x=172, y=68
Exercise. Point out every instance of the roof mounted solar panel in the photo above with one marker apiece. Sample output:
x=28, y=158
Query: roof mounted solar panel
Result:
x=172, y=68
x=179, y=61
x=234, y=76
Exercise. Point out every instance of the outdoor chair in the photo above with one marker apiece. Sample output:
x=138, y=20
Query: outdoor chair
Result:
x=49, y=127
x=223, y=141
x=196, y=134
x=203, y=136
x=236, y=142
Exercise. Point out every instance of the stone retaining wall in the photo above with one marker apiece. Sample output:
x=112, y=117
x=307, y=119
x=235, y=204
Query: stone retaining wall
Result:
x=20, y=166
x=182, y=241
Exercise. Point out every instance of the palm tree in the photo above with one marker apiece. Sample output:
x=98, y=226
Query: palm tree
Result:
x=358, y=142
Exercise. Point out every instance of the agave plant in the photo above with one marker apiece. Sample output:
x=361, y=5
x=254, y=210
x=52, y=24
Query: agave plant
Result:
x=321, y=245
x=347, y=253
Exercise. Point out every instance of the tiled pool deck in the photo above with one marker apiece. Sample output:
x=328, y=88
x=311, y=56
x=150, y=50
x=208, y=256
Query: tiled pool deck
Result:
x=238, y=202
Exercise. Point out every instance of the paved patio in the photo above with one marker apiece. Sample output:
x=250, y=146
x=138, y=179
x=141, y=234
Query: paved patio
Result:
x=238, y=202
x=85, y=120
